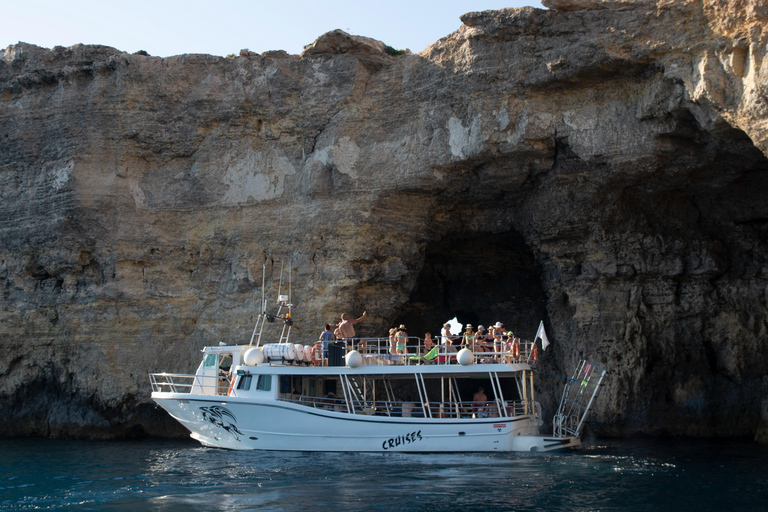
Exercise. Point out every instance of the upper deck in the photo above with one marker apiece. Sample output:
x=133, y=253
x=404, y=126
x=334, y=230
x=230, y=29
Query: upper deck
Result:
x=378, y=352
x=363, y=357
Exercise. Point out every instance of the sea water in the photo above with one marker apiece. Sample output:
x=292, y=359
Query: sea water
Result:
x=626, y=475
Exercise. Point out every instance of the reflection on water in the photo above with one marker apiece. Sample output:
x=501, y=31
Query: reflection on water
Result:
x=165, y=476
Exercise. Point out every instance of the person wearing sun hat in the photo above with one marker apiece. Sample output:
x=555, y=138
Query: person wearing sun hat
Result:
x=497, y=331
x=469, y=337
x=481, y=340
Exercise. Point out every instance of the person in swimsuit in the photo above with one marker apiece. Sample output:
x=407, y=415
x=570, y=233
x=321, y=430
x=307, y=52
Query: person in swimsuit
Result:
x=447, y=338
x=428, y=342
x=469, y=338
x=347, y=328
x=481, y=340
x=392, y=341
x=402, y=340
x=497, y=331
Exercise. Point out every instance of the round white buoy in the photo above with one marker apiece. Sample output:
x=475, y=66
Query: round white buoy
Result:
x=253, y=356
x=299, y=348
x=354, y=359
x=465, y=357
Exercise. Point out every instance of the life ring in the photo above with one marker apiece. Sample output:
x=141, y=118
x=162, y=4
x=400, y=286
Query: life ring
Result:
x=535, y=354
x=232, y=383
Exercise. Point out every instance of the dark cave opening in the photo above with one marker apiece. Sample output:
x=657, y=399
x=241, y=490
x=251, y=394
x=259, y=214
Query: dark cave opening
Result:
x=479, y=278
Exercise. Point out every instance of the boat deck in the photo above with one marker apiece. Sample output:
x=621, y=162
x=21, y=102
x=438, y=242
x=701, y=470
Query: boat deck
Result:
x=380, y=352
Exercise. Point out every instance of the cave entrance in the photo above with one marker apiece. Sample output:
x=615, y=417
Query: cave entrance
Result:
x=480, y=278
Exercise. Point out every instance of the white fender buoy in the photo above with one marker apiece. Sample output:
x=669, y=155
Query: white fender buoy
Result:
x=354, y=359
x=253, y=356
x=299, y=348
x=465, y=357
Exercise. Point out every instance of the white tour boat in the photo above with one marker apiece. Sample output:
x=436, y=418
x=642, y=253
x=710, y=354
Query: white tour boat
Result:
x=362, y=398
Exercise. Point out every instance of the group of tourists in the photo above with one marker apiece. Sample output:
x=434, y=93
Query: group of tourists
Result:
x=500, y=343
x=344, y=332
x=496, y=339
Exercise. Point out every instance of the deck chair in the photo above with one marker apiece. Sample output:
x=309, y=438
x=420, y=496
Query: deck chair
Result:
x=429, y=356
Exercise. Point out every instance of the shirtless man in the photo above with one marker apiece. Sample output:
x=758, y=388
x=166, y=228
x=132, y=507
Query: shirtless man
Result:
x=480, y=410
x=346, y=326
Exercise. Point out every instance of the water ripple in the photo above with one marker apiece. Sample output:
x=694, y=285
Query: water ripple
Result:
x=169, y=476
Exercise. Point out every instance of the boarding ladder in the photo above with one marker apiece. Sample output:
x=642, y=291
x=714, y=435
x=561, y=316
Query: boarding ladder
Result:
x=578, y=395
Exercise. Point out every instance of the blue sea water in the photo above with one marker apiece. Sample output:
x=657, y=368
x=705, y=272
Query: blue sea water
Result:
x=626, y=475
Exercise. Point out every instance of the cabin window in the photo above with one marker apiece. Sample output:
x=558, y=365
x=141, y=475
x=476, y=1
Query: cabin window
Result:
x=265, y=383
x=285, y=384
x=209, y=361
x=245, y=382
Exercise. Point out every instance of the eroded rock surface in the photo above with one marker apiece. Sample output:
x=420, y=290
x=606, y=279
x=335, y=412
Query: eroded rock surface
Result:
x=601, y=166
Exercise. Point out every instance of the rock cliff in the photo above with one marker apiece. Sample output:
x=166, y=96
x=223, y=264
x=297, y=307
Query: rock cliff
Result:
x=600, y=165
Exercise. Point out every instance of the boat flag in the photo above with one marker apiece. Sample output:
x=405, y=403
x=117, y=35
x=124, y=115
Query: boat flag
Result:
x=543, y=335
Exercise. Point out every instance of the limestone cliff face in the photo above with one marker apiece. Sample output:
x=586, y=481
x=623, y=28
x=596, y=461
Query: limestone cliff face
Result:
x=601, y=166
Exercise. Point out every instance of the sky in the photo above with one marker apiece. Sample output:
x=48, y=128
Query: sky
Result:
x=222, y=27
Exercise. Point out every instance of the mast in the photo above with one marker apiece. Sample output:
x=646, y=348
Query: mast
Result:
x=263, y=309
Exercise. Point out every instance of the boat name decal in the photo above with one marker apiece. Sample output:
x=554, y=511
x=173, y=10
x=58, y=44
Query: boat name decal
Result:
x=393, y=442
x=220, y=417
x=499, y=426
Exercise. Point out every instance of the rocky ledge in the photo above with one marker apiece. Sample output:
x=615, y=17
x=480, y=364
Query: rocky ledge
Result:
x=600, y=165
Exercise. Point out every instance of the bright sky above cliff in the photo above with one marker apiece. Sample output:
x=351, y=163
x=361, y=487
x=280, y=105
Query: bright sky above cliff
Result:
x=165, y=28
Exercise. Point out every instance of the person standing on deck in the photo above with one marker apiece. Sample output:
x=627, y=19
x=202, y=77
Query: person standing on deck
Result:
x=469, y=338
x=347, y=326
x=325, y=337
x=392, y=341
x=497, y=331
x=447, y=339
x=401, y=337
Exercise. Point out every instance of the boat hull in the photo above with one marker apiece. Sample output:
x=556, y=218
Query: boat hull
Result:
x=270, y=425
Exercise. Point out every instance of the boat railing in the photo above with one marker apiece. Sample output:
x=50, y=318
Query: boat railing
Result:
x=437, y=410
x=383, y=351
x=184, y=383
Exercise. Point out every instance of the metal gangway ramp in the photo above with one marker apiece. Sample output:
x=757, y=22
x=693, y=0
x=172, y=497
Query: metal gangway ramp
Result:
x=579, y=392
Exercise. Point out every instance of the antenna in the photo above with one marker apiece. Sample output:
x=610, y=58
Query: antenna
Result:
x=263, y=313
x=263, y=280
x=280, y=285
